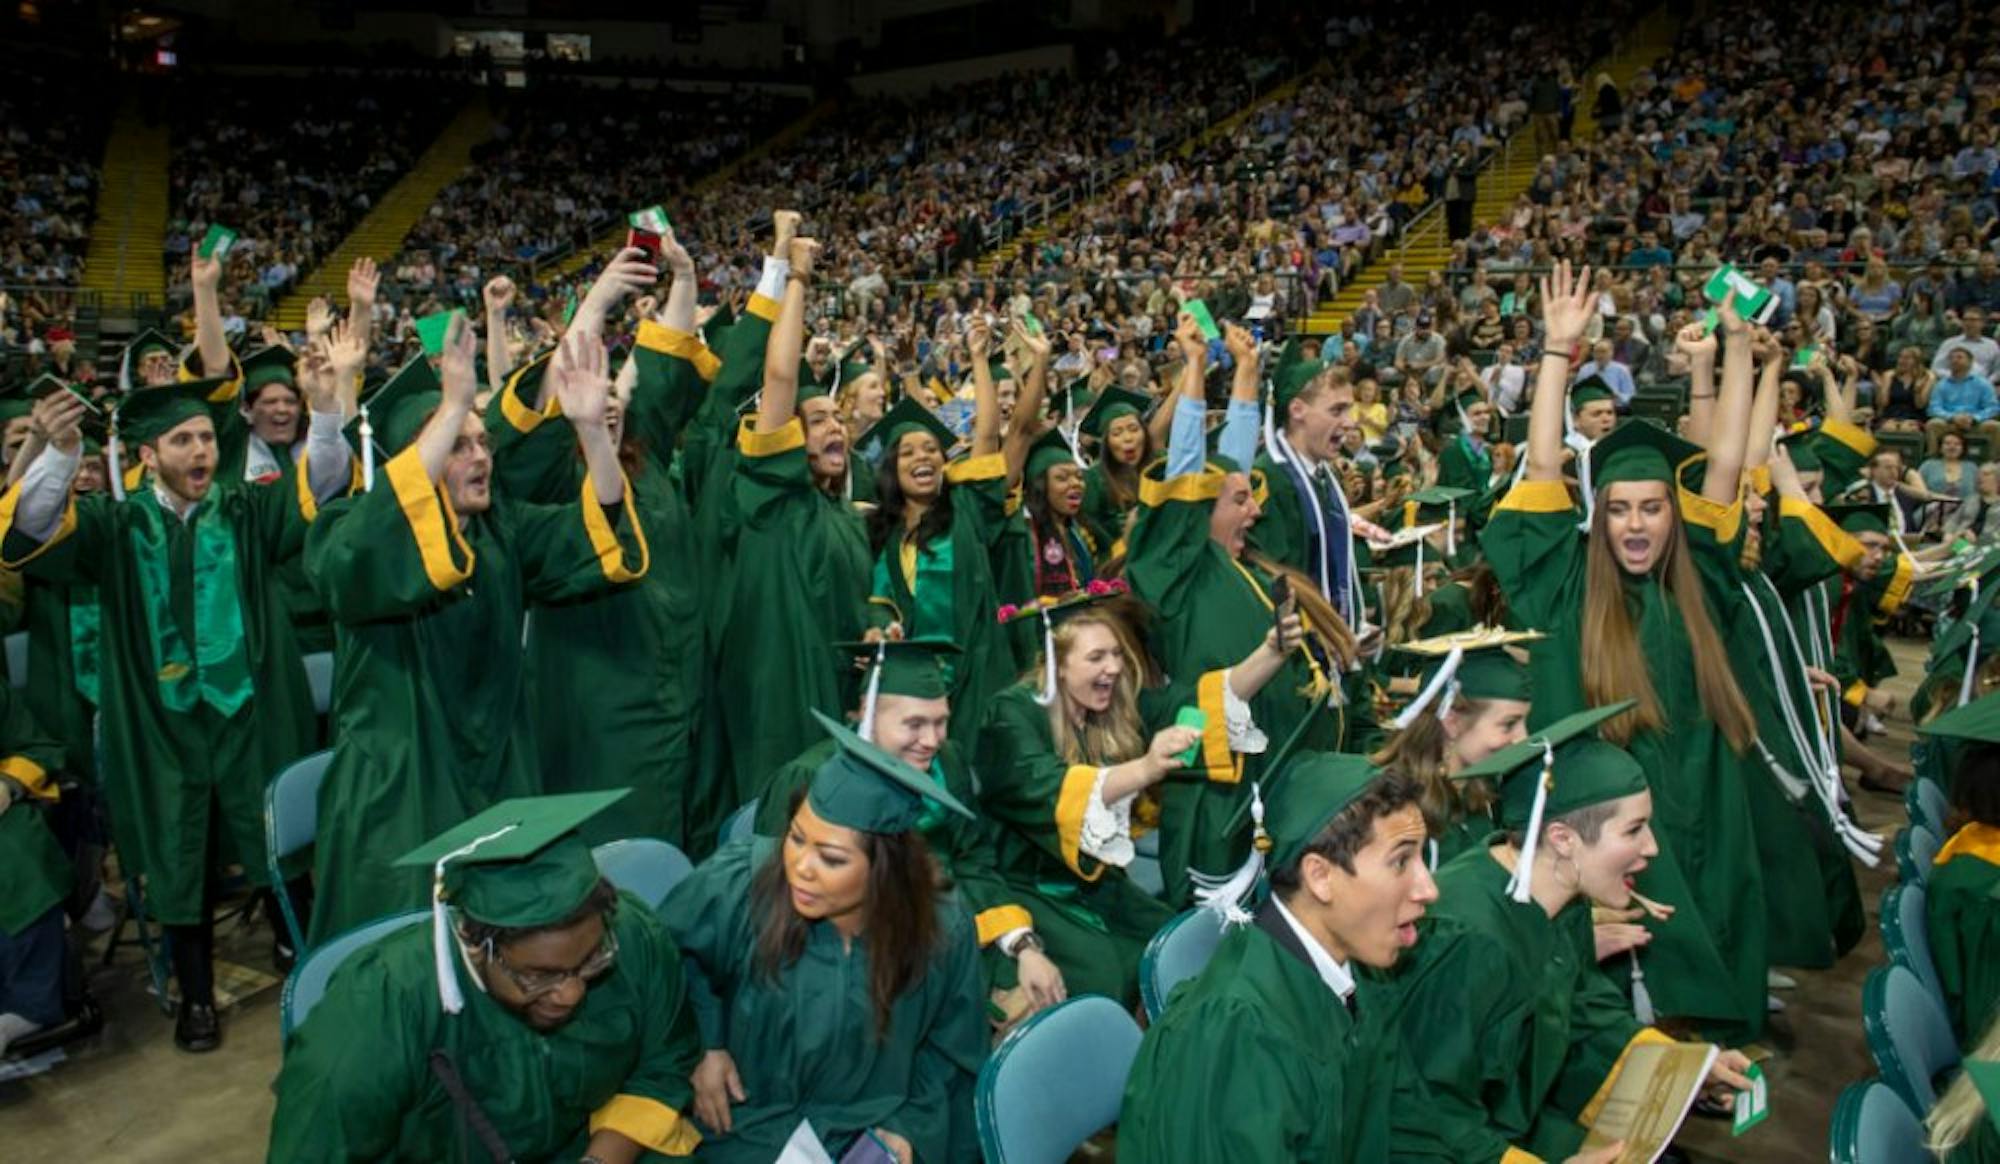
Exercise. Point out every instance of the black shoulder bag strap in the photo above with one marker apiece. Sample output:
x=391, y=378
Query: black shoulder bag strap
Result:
x=469, y=1113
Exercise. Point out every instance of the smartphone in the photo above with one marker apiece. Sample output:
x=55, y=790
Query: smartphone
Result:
x=1191, y=717
x=1282, y=604
x=84, y=396
x=1107, y=355
x=869, y=1149
x=646, y=241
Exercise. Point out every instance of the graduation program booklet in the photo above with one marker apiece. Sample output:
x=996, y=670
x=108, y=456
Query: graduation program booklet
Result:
x=1650, y=1098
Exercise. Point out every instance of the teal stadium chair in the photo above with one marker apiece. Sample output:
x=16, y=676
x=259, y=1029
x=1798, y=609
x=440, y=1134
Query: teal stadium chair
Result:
x=319, y=677
x=1908, y=1034
x=1916, y=848
x=645, y=867
x=291, y=820
x=1906, y=934
x=1927, y=804
x=307, y=985
x=1177, y=953
x=1055, y=1082
x=1872, y=1125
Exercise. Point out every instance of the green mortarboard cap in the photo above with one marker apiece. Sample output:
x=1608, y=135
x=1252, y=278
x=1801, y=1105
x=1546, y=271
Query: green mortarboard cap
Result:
x=1307, y=794
x=433, y=328
x=536, y=871
x=1468, y=398
x=1871, y=517
x=911, y=667
x=1978, y=721
x=1049, y=450
x=853, y=370
x=1949, y=647
x=400, y=407
x=1075, y=395
x=1111, y=404
x=150, y=340
x=273, y=364
x=1485, y=669
x=1436, y=503
x=1590, y=390
x=1289, y=381
x=997, y=365
x=863, y=787
x=904, y=417
x=1799, y=446
x=1600, y=771
x=1638, y=450
x=1493, y=673
x=147, y=414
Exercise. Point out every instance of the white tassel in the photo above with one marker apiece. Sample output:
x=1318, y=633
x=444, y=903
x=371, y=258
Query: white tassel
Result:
x=367, y=450
x=1420, y=568
x=1445, y=677
x=112, y=467
x=1971, y=648
x=874, y=693
x=1642, y=999
x=1227, y=896
x=1271, y=429
x=1047, y=697
x=1450, y=530
x=443, y=941
x=1520, y=886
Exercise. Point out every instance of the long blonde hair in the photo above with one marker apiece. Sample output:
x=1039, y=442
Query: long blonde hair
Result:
x=1116, y=734
x=1404, y=610
x=1958, y=1111
x=1614, y=666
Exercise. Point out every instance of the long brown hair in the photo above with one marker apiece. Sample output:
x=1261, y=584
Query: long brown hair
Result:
x=1404, y=610
x=901, y=923
x=1418, y=751
x=1323, y=623
x=1614, y=666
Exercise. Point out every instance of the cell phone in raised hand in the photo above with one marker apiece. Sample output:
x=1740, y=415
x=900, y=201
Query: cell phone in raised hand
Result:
x=1282, y=605
x=647, y=241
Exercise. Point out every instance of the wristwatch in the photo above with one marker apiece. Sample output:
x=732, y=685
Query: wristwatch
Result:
x=1027, y=941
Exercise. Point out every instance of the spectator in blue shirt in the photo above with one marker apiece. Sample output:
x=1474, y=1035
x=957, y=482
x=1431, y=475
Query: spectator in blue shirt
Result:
x=1964, y=401
x=1649, y=252
x=1615, y=375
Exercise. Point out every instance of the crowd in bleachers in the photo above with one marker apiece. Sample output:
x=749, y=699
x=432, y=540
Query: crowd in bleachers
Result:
x=52, y=122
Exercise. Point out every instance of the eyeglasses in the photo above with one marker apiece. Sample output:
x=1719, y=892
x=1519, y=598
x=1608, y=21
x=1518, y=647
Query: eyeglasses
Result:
x=534, y=984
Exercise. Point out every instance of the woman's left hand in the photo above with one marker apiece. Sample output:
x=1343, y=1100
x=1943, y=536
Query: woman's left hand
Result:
x=1726, y=1078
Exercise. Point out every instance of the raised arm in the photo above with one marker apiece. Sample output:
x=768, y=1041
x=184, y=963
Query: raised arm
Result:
x=205, y=275
x=627, y=273
x=498, y=295
x=1028, y=409
x=781, y=354
x=1240, y=427
x=1186, y=447
x=1723, y=482
x=1698, y=345
x=1764, y=406
x=679, y=312
x=985, y=397
x=460, y=388
x=581, y=370
x=363, y=280
x=1567, y=304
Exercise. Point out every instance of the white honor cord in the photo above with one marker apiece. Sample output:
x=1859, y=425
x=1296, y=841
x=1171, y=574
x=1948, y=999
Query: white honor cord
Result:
x=1810, y=746
x=1965, y=683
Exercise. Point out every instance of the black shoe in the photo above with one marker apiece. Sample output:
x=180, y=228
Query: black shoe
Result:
x=196, y=1028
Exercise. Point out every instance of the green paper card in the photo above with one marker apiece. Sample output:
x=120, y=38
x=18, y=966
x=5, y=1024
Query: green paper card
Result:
x=653, y=218
x=1755, y=304
x=1753, y=1106
x=1196, y=718
x=216, y=243
x=1202, y=318
x=432, y=330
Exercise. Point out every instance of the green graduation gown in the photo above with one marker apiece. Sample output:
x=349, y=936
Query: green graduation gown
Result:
x=1093, y=920
x=1707, y=962
x=1101, y=508
x=62, y=681
x=946, y=588
x=1256, y=1059
x=432, y=720
x=805, y=1041
x=798, y=583
x=617, y=677
x=1963, y=900
x=1213, y=611
x=1519, y=1035
x=186, y=746
x=35, y=870
x=357, y=1084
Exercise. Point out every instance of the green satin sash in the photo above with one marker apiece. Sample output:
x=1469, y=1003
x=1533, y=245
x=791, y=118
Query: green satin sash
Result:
x=930, y=610
x=217, y=671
